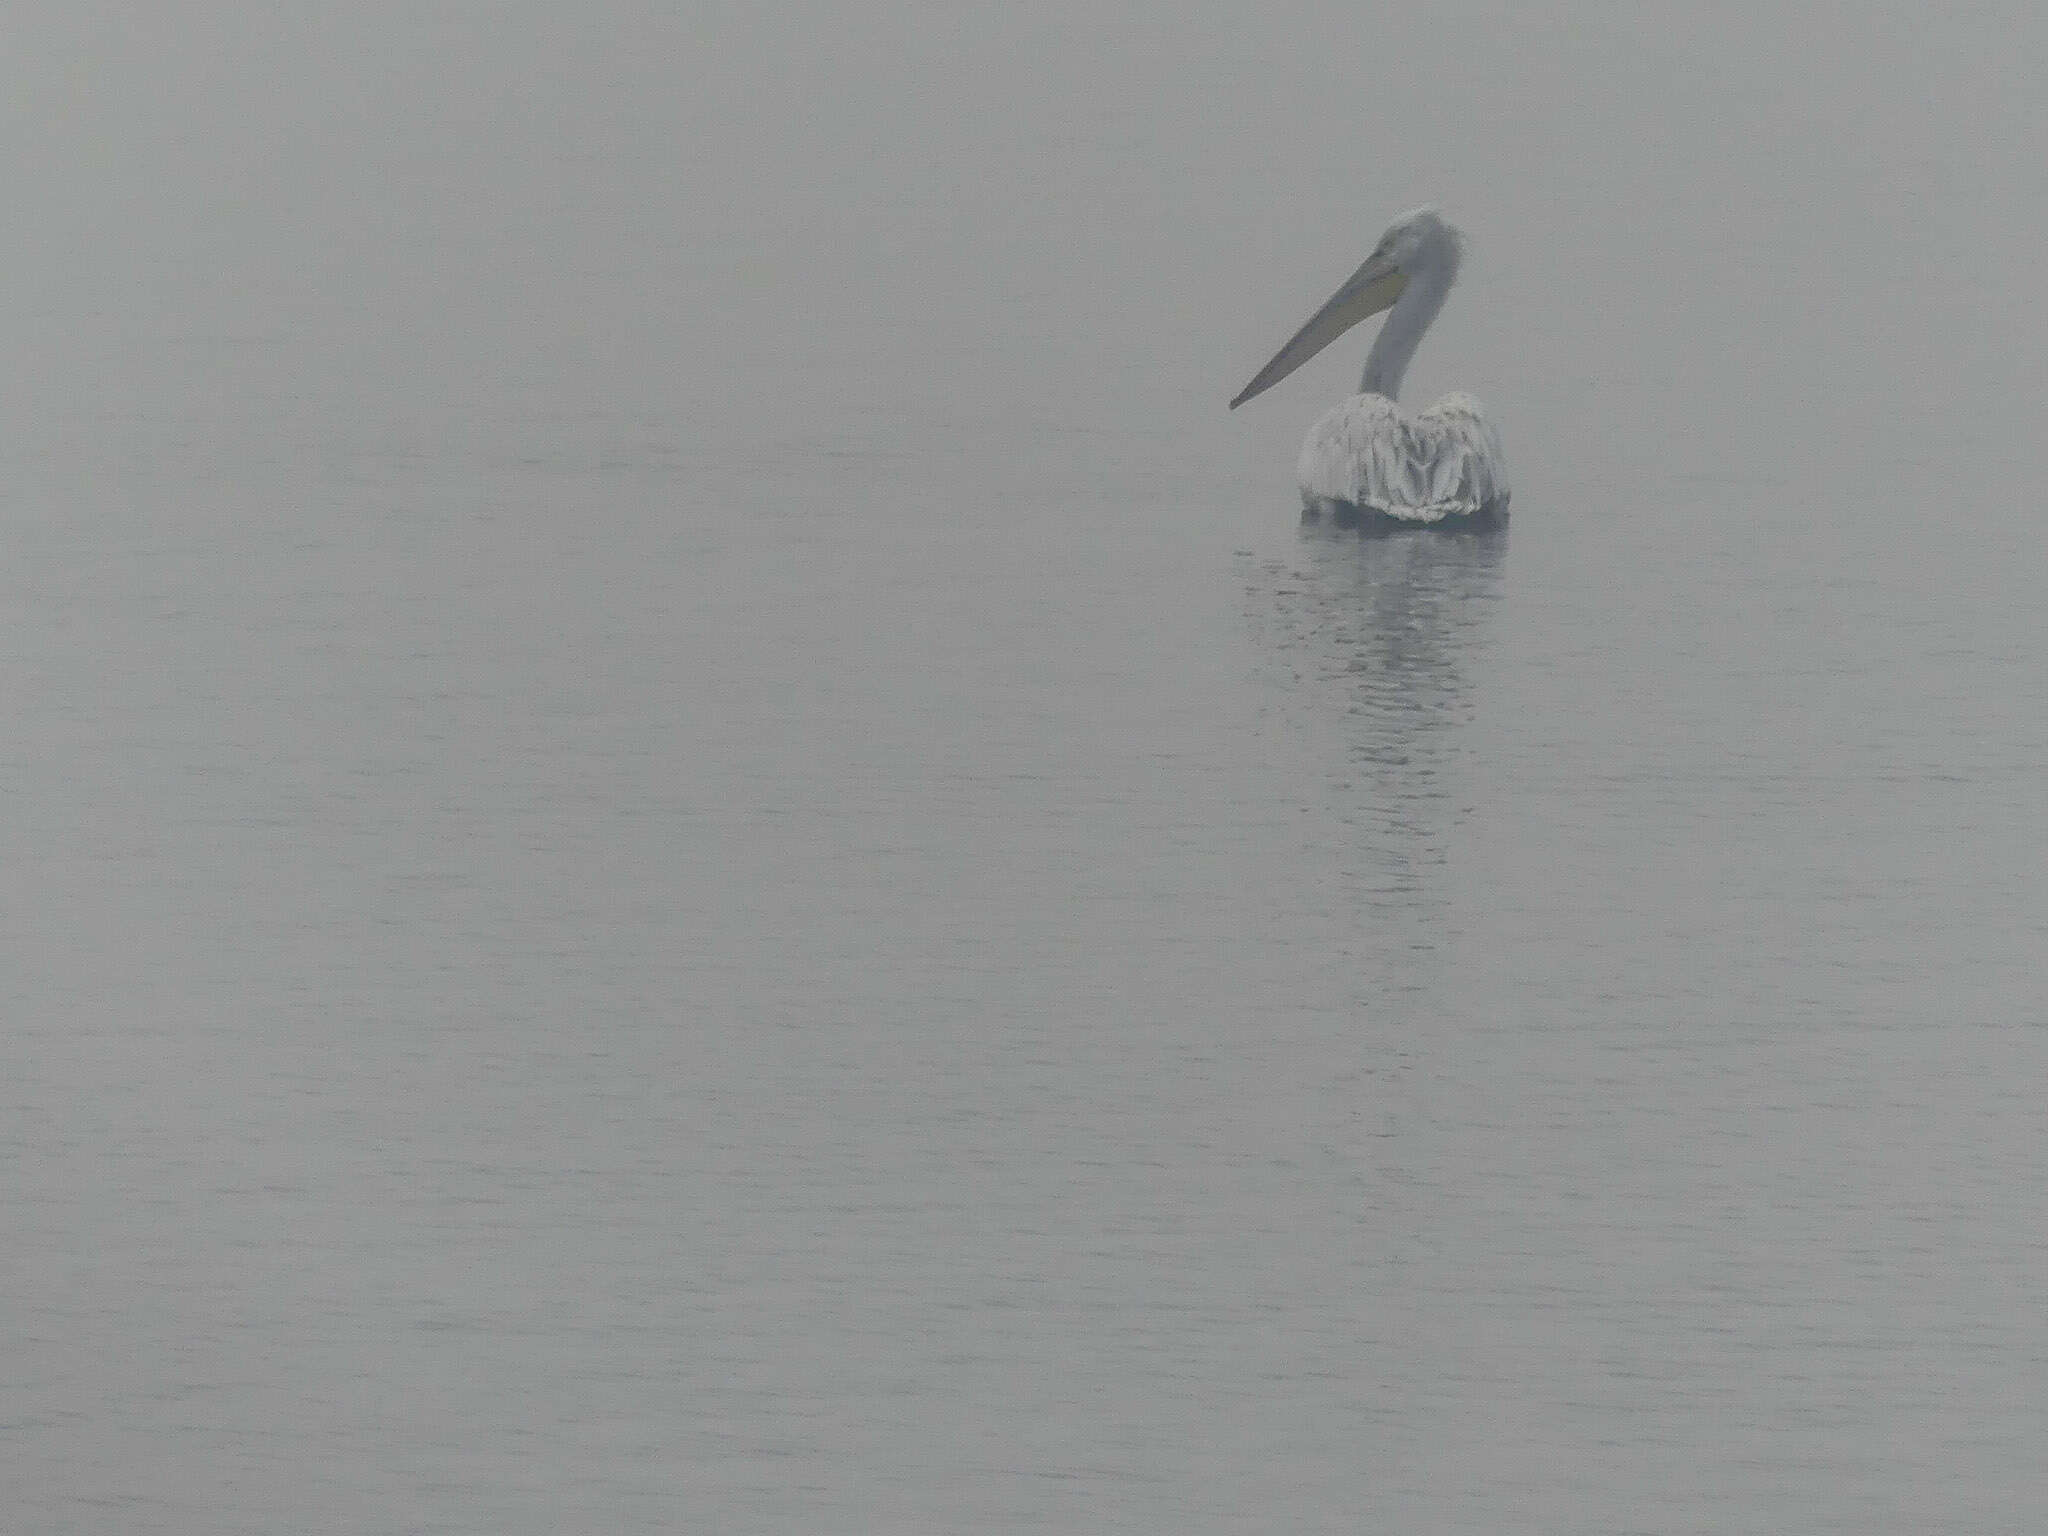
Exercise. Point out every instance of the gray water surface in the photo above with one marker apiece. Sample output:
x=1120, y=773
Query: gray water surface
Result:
x=692, y=843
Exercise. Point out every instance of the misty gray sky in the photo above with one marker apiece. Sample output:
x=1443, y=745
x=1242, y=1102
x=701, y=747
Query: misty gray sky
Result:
x=1778, y=233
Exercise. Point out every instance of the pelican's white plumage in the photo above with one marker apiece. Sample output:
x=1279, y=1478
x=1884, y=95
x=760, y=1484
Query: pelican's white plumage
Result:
x=1370, y=454
x=1367, y=455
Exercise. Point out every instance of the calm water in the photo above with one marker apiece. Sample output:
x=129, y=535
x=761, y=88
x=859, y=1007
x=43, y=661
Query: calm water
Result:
x=692, y=843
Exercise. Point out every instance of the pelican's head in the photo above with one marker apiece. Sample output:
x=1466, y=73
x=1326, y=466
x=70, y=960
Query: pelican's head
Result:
x=1419, y=244
x=1421, y=241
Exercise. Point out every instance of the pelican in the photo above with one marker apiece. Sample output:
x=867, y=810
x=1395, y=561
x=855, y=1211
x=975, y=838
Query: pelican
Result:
x=1367, y=456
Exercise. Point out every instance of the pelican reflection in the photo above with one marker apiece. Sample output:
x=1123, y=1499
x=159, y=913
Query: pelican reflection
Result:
x=1388, y=637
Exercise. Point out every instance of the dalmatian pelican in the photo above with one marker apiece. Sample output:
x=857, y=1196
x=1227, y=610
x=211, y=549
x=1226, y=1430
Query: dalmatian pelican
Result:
x=1366, y=457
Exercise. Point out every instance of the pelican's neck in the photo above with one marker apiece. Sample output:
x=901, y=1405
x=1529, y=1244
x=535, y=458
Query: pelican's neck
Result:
x=1401, y=334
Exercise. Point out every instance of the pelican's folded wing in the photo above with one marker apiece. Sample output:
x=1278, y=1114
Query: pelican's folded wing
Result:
x=1369, y=454
x=1459, y=419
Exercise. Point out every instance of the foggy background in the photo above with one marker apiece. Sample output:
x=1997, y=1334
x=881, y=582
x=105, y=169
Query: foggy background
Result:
x=690, y=842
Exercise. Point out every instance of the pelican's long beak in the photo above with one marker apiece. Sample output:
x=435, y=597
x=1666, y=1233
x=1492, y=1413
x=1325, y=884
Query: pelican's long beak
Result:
x=1372, y=288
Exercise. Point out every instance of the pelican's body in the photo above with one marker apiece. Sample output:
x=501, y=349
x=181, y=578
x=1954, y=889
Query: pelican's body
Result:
x=1367, y=456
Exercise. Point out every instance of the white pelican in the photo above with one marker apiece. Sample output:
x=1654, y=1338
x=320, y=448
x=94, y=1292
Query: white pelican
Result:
x=1368, y=456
